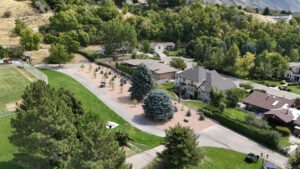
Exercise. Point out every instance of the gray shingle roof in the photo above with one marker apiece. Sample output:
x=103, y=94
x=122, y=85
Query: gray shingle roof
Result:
x=199, y=75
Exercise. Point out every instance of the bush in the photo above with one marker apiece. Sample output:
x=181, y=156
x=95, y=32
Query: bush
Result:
x=283, y=130
x=158, y=105
x=175, y=109
x=188, y=113
x=90, y=56
x=251, y=119
x=7, y=14
x=124, y=69
x=259, y=90
x=202, y=117
x=283, y=82
x=15, y=52
x=246, y=86
x=41, y=5
x=122, y=138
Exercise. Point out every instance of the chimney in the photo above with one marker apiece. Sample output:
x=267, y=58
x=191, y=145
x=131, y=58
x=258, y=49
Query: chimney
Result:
x=208, y=80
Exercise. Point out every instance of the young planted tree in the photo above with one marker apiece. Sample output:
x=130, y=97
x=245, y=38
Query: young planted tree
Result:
x=82, y=66
x=90, y=68
x=142, y=82
x=182, y=149
x=134, y=102
x=158, y=105
x=95, y=74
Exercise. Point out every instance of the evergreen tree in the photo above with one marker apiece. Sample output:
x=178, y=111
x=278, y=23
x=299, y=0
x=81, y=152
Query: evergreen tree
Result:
x=52, y=131
x=158, y=105
x=98, y=148
x=44, y=130
x=142, y=82
x=181, y=148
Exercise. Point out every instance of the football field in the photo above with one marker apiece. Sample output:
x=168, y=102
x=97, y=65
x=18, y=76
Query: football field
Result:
x=13, y=82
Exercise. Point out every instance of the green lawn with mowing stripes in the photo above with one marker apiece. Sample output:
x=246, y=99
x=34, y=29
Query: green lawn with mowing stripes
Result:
x=12, y=85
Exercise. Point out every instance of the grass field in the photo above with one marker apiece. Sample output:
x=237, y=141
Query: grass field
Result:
x=91, y=103
x=219, y=158
x=13, y=83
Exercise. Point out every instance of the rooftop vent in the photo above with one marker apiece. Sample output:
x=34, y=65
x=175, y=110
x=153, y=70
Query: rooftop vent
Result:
x=274, y=104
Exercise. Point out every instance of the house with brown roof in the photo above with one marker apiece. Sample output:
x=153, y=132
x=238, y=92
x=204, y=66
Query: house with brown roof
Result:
x=262, y=102
x=158, y=69
x=277, y=110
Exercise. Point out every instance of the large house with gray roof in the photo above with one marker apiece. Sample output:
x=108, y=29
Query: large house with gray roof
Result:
x=198, y=82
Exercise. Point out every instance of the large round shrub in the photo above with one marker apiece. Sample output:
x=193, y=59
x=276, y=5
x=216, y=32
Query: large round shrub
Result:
x=158, y=105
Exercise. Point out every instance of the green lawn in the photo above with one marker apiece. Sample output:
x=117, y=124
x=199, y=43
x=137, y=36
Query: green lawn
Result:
x=235, y=114
x=168, y=87
x=6, y=149
x=219, y=158
x=295, y=89
x=92, y=103
x=12, y=85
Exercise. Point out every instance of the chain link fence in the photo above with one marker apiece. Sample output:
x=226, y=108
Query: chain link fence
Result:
x=31, y=69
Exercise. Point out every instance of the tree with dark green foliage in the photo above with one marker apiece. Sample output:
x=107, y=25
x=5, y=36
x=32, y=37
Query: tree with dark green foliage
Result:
x=266, y=11
x=16, y=52
x=2, y=52
x=141, y=82
x=182, y=149
x=52, y=130
x=248, y=47
x=44, y=130
x=294, y=160
x=59, y=54
x=158, y=105
x=98, y=147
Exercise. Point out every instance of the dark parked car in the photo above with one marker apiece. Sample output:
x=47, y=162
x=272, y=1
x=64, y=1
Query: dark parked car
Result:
x=102, y=84
x=250, y=158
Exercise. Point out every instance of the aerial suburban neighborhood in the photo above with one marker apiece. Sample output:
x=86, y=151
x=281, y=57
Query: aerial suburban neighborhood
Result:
x=149, y=84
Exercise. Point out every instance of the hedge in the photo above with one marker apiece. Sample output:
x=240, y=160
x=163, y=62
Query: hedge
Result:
x=90, y=56
x=283, y=130
x=124, y=69
x=269, y=138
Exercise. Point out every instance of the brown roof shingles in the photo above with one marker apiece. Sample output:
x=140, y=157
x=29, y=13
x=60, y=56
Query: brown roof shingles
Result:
x=267, y=101
x=282, y=114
